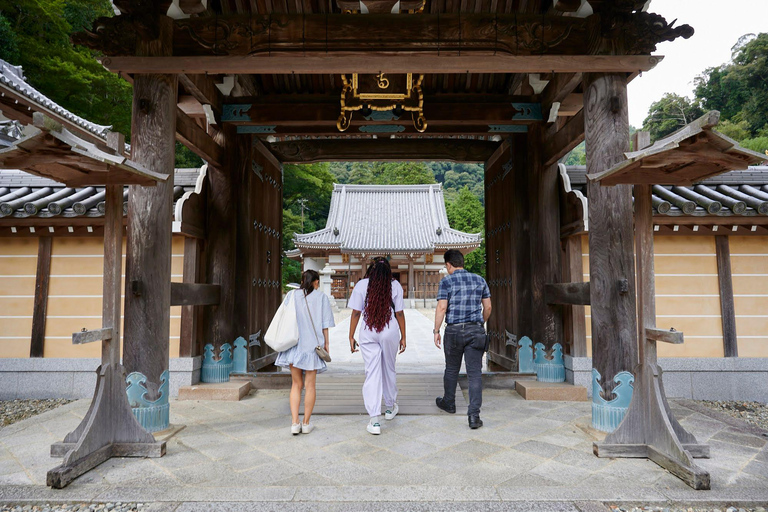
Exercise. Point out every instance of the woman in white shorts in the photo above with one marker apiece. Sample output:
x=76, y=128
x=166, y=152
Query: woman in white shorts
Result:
x=379, y=300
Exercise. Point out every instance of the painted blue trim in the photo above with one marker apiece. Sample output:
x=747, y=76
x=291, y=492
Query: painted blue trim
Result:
x=266, y=128
x=216, y=370
x=153, y=415
x=527, y=111
x=606, y=416
x=552, y=369
x=507, y=128
x=382, y=128
x=240, y=356
x=525, y=355
x=381, y=115
x=236, y=112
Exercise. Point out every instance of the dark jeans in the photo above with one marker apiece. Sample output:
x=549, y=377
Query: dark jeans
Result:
x=467, y=341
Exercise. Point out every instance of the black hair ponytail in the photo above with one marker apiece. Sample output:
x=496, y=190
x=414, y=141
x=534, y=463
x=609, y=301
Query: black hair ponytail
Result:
x=307, y=278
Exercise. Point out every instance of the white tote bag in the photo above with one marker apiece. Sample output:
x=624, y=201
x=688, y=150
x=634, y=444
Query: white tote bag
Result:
x=283, y=332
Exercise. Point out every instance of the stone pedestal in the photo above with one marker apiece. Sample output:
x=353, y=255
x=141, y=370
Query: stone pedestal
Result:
x=558, y=391
x=231, y=391
x=325, y=284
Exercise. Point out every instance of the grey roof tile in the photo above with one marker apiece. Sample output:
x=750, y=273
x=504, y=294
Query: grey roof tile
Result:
x=13, y=77
x=743, y=193
x=27, y=195
x=406, y=218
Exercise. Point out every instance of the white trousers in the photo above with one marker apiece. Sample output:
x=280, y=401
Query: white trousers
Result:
x=379, y=352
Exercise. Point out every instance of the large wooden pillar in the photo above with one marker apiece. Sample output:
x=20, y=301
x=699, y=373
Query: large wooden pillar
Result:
x=611, y=251
x=221, y=253
x=547, y=326
x=148, y=253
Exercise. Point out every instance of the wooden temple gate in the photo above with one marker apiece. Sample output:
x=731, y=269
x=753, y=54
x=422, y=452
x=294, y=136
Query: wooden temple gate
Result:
x=513, y=84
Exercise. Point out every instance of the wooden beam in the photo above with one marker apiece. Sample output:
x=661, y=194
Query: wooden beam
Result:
x=543, y=190
x=574, y=317
x=197, y=140
x=611, y=251
x=195, y=294
x=727, y=308
x=667, y=336
x=360, y=61
x=148, y=245
x=263, y=362
x=203, y=89
x=81, y=338
x=455, y=150
x=567, y=293
x=323, y=111
x=521, y=33
x=558, y=90
x=190, y=315
x=39, y=313
x=560, y=143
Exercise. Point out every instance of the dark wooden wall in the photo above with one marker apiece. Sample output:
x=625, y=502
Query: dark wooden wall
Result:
x=265, y=225
x=508, y=248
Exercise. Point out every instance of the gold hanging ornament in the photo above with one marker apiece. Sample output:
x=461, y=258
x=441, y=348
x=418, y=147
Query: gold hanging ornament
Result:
x=375, y=95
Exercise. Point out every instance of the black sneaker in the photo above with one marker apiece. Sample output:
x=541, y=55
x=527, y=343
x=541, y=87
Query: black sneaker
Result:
x=444, y=406
x=475, y=422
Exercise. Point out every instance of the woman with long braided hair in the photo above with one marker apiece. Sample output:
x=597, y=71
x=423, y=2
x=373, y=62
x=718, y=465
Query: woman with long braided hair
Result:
x=379, y=300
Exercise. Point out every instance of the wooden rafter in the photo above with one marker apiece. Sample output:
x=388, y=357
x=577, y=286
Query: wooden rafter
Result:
x=456, y=150
x=363, y=61
x=51, y=151
x=691, y=154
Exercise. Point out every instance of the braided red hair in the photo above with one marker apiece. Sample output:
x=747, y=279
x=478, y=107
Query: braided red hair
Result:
x=377, y=311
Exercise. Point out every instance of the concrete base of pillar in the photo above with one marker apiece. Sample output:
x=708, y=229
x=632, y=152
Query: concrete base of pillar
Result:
x=220, y=391
x=557, y=391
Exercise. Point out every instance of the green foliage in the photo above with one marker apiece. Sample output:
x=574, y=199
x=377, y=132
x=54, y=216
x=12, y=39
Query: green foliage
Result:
x=466, y=213
x=386, y=173
x=68, y=74
x=577, y=156
x=739, y=89
x=9, y=47
x=737, y=131
x=310, y=185
x=186, y=158
x=759, y=144
x=671, y=113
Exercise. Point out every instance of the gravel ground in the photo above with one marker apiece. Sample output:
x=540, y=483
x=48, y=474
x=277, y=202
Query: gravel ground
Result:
x=83, y=507
x=684, y=509
x=754, y=413
x=12, y=411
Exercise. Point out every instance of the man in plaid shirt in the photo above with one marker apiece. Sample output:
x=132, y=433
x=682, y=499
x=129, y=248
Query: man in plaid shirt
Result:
x=464, y=301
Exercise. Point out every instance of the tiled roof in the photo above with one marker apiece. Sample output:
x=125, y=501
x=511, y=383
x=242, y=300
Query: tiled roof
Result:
x=742, y=193
x=23, y=195
x=13, y=77
x=389, y=218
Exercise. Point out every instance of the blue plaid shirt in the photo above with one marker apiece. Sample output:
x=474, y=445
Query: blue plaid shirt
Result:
x=464, y=292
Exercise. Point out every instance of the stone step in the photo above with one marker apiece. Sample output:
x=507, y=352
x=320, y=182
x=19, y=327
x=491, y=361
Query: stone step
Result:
x=557, y=391
x=233, y=390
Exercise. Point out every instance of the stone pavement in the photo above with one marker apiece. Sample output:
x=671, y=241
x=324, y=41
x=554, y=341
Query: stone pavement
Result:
x=420, y=356
x=238, y=456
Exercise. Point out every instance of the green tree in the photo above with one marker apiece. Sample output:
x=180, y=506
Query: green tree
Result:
x=186, y=158
x=466, y=213
x=739, y=89
x=69, y=75
x=671, y=113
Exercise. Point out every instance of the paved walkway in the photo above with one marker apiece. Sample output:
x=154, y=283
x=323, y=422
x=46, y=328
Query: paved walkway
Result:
x=240, y=456
x=420, y=356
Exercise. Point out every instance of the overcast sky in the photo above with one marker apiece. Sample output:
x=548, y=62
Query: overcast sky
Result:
x=718, y=25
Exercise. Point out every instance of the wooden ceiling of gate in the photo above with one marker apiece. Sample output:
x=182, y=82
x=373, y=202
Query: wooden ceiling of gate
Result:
x=433, y=83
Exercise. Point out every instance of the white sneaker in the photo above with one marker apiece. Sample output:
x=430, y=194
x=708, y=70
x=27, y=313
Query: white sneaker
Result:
x=295, y=428
x=306, y=428
x=374, y=427
x=391, y=412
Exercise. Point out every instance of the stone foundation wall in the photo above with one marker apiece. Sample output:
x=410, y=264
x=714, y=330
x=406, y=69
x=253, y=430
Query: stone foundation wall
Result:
x=704, y=378
x=74, y=378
